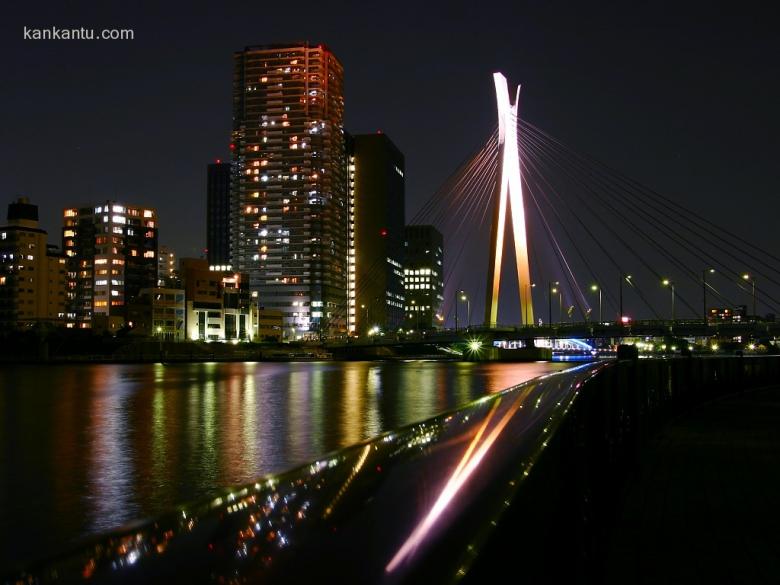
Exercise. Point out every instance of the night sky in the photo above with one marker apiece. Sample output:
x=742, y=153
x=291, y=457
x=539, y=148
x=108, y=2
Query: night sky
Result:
x=685, y=102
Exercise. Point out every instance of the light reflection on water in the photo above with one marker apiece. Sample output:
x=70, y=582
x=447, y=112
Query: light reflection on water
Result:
x=87, y=448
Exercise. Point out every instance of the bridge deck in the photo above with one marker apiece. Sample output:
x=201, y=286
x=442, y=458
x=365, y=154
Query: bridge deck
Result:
x=704, y=505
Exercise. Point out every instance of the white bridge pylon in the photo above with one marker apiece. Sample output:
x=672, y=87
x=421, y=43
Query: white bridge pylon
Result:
x=508, y=194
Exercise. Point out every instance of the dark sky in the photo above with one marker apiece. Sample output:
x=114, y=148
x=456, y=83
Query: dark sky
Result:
x=684, y=100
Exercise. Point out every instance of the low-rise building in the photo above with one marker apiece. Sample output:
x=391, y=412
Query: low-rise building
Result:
x=219, y=305
x=158, y=312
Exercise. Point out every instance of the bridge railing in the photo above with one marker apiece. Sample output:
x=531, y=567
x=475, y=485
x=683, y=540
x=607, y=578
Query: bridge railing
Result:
x=427, y=502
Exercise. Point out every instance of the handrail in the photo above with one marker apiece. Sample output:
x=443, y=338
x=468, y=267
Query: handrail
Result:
x=414, y=503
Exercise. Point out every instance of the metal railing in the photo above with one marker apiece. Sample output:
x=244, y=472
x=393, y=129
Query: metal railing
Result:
x=423, y=503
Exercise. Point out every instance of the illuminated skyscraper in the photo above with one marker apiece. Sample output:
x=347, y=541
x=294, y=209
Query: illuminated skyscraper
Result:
x=377, y=190
x=289, y=189
x=112, y=255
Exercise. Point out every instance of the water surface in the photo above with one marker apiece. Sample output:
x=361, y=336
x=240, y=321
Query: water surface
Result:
x=87, y=448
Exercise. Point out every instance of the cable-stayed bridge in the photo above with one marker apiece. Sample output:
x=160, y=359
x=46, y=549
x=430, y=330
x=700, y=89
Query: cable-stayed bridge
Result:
x=596, y=253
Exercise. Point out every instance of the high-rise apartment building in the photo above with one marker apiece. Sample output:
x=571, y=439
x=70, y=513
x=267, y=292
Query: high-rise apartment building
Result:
x=218, y=214
x=33, y=275
x=112, y=255
x=289, y=188
x=377, y=187
x=424, y=277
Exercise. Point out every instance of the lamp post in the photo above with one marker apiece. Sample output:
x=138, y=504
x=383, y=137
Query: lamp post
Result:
x=670, y=284
x=752, y=281
x=456, y=312
x=627, y=278
x=594, y=288
x=464, y=297
x=704, y=292
x=550, y=291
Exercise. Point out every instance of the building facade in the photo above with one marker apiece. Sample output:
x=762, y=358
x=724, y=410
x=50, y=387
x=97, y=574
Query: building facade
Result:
x=218, y=213
x=377, y=196
x=33, y=275
x=167, y=274
x=158, y=312
x=112, y=254
x=424, y=277
x=219, y=304
x=288, y=189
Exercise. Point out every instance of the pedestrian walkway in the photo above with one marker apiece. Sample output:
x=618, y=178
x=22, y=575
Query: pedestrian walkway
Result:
x=705, y=506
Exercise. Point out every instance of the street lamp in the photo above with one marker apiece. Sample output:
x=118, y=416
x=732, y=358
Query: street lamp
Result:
x=363, y=306
x=704, y=292
x=594, y=288
x=752, y=281
x=627, y=278
x=550, y=291
x=456, y=312
x=669, y=283
x=464, y=297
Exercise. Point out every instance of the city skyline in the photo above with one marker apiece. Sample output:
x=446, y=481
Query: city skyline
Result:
x=386, y=293
x=680, y=151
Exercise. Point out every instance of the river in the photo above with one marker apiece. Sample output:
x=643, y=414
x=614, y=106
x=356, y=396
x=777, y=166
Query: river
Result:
x=88, y=448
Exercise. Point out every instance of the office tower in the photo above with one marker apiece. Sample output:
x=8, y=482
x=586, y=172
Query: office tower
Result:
x=112, y=255
x=218, y=214
x=289, y=188
x=424, y=277
x=167, y=275
x=33, y=275
x=376, y=170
